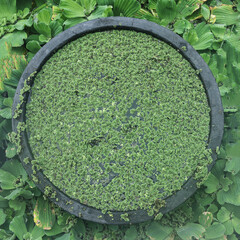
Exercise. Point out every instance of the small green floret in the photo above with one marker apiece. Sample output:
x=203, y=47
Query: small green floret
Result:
x=124, y=216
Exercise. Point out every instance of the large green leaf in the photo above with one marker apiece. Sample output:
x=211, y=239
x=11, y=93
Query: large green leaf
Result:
x=65, y=236
x=56, y=229
x=191, y=36
x=44, y=216
x=223, y=215
x=181, y=25
x=233, y=156
x=71, y=9
x=7, y=180
x=157, y=231
x=72, y=22
x=56, y=28
x=166, y=10
x=236, y=224
x=105, y=2
x=190, y=230
x=226, y=15
x=3, y=202
x=88, y=5
x=18, y=226
x=205, y=37
x=15, y=167
x=11, y=150
x=216, y=230
x=43, y=29
x=22, y=23
x=7, y=8
x=101, y=11
x=205, y=219
x=44, y=16
x=18, y=206
x=205, y=11
x=37, y=233
x=2, y=217
x=126, y=8
x=212, y=184
x=131, y=233
x=218, y=30
x=15, y=39
x=19, y=192
x=33, y=46
x=231, y=196
x=186, y=8
x=6, y=113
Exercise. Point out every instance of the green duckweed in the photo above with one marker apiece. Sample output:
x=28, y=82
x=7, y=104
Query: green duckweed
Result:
x=117, y=120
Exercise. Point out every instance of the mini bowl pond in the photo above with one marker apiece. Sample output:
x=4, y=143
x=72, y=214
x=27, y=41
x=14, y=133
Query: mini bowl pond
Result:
x=117, y=120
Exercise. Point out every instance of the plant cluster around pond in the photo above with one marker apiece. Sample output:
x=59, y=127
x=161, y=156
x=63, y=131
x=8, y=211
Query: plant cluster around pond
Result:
x=118, y=119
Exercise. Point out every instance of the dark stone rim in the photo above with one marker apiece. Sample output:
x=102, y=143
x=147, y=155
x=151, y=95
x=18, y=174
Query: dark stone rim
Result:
x=102, y=24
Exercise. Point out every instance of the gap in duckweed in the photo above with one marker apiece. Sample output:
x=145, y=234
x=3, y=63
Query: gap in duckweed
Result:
x=119, y=119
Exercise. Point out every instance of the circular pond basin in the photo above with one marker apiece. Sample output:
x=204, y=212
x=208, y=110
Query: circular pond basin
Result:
x=118, y=120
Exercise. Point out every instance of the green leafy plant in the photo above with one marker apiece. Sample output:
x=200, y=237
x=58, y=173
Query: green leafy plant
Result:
x=214, y=206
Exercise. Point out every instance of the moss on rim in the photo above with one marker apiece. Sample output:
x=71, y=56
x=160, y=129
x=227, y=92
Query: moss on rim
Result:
x=118, y=119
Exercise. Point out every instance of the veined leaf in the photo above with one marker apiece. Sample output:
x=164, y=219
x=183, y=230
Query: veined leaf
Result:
x=18, y=206
x=6, y=113
x=131, y=233
x=2, y=216
x=18, y=226
x=71, y=9
x=231, y=100
x=186, y=8
x=236, y=224
x=56, y=229
x=56, y=28
x=233, y=156
x=33, y=46
x=215, y=231
x=43, y=29
x=8, y=8
x=15, y=39
x=205, y=219
x=144, y=14
x=7, y=180
x=126, y=8
x=22, y=23
x=19, y=192
x=226, y=15
x=44, y=16
x=72, y=22
x=191, y=36
x=223, y=215
x=181, y=25
x=88, y=5
x=37, y=233
x=205, y=37
x=205, y=11
x=166, y=10
x=44, y=216
x=157, y=231
x=101, y=11
x=152, y=4
x=11, y=150
x=105, y=2
x=218, y=30
x=212, y=184
x=231, y=196
x=66, y=236
x=190, y=230
x=15, y=168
